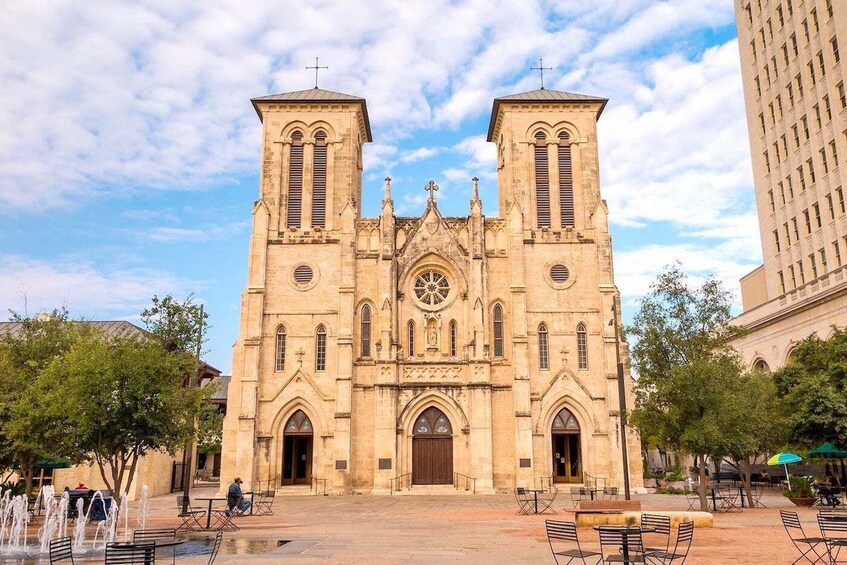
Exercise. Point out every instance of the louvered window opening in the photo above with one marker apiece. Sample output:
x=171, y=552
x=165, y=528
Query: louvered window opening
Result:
x=303, y=274
x=319, y=182
x=366, y=331
x=498, y=330
x=581, y=347
x=295, y=181
x=411, y=339
x=542, y=181
x=543, y=348
x=565, y=182
x=280, y=350
x=453, y=339
x=320, y=349
x=559, y=273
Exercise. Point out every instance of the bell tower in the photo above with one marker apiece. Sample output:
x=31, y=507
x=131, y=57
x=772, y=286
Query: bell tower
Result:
x=547, y=160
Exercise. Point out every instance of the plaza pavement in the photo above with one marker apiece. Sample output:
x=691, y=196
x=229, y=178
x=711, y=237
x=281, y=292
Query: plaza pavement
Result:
x=452, y=528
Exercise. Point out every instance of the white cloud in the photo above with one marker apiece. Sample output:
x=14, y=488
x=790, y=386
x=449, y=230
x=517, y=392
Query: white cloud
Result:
x=31, y=286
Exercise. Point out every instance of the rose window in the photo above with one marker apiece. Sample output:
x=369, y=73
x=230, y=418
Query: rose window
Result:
x=431, y=288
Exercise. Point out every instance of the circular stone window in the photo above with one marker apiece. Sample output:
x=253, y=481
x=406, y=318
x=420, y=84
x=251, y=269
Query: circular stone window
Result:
x=303, y=274
x=559, y=273
x=431, y=288
x=303, y=277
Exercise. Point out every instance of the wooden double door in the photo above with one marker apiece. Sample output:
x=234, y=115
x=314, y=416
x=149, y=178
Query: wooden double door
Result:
x=297, y=450
x=432, y=449
x=567, y=467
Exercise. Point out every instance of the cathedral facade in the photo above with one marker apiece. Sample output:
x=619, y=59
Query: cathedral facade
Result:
x=404, y=352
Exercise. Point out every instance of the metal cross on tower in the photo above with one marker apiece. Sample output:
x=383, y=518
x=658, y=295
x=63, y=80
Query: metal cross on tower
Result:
x=432, y=188
x=316, y=67
x=541, y=68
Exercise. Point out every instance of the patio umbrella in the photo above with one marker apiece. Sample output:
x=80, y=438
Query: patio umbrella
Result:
x=829, y=451
x=784, y=458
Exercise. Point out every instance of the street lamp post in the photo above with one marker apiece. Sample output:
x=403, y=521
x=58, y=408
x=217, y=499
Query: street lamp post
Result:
x=621, y=400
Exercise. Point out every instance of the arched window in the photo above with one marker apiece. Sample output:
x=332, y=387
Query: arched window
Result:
x=543, y=348
x=320, y=349
x=411, y=338
x=295, y=180
x=366, y=331
x=280, y=349
x=761, y=366
x=319, y=181
x=565, y=181
x=454, y=338
x=498, y=330
x=542, y=181
x=582, y=346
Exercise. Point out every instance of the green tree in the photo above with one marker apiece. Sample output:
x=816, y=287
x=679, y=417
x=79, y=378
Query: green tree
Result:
x=686, y=369
x=210, y=429
x=755, y=415
x=177, y=324
x=122, y=398
x=814, y=389
x=28, y=430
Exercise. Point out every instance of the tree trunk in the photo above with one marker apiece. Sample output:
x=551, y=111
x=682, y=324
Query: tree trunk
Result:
x=745, y=467
x=701, y=488
x=28, y=471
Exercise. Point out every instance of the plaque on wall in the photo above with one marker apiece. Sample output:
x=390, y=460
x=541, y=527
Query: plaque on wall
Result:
x=526, y=462
x=340, y=464
x=384, y=464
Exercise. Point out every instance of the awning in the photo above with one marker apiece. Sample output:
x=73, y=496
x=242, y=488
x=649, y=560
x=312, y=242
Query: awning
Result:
x=44, y=464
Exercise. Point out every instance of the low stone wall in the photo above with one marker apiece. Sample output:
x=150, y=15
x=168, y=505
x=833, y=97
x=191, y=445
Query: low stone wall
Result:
x=587, y=518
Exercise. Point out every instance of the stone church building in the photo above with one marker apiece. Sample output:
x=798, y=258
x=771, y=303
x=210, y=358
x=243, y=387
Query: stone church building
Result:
x=401, y=352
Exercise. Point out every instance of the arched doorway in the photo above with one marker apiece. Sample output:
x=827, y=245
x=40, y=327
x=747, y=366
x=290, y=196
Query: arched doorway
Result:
x=567, y=462
x=297, y=450
x=432, y=449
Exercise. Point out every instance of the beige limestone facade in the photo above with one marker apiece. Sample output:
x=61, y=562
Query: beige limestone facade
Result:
x=406, y=352
x=794, y=90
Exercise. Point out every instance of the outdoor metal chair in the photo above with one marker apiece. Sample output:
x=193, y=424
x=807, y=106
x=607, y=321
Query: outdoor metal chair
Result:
x=610, y=493
x=525, y=503
x=545, y=501
x=156, y=535
x=190, y=518
x=727, y=498
x=60, y=550
x=223, y=520
x=216, y=546
x=620, y=545
x=131, y=554
x=799, y=538
x=692, y=497
x=834, y=530
x=756, y=491
x=264, y=505
x=577, y=494
x=684, y=535
x=662, y=526
x=563, y=534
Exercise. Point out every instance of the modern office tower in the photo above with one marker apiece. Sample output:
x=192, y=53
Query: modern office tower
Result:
x=794, y=91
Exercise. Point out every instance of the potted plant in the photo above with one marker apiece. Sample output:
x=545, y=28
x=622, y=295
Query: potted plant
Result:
x=800, y=492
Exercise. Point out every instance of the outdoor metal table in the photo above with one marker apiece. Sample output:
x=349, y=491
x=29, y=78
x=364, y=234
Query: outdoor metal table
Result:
x=535, y=492
x=591, y=491
x=252, y=494
x=211, y=499
x=626, y=531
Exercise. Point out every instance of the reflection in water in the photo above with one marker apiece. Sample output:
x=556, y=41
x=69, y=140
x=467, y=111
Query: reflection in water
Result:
x=190, y=547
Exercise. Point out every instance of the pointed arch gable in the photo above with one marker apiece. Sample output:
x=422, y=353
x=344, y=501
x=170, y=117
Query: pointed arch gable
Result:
x=415, y=406
x=287, y=410
x=585, y=417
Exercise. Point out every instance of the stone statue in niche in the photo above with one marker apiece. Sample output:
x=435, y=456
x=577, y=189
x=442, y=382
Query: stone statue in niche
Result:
x=432, y=333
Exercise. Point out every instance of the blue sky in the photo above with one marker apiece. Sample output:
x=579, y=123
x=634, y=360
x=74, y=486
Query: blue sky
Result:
x=129, y=149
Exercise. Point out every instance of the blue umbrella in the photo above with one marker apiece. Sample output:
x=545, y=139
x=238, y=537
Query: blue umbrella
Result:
x=784, y=458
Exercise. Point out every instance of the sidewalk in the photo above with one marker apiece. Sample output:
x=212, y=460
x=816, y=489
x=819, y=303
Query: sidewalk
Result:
x=362, y=529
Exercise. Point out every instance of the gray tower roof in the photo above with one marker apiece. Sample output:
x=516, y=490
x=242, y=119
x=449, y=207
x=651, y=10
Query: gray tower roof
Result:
x=315, y=95
x=542, y=95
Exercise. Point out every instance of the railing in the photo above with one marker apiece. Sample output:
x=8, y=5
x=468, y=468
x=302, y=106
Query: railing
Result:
x=398, y=482
x=543, y=482
x=469, y=482
x=595, y=482
x=319, y=486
